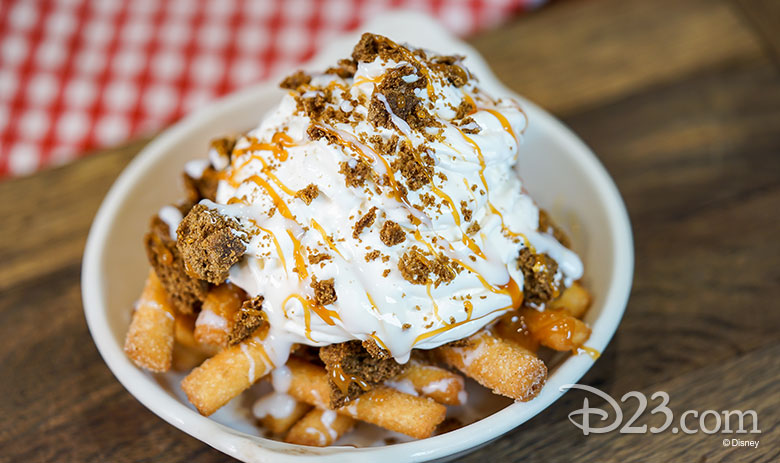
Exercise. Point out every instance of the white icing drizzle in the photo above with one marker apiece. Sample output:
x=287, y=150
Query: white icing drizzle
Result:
x=281, y=378
x=471, y=171
x=276, y=404
x=469, y=355
x=327, y=418
x=403, y=385
x=172, y=217
x=321, y=438
x=194, y=169
x=251, y=371
x=217, y=160
x=441, y=385
x=208, y=318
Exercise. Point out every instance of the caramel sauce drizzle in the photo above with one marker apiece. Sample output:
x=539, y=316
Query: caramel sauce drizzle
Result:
x=443, y=329
x=373, y=305
x=514, y=292
x=309, y=306
x=379, y=341
x=471, y=102
x=433, y=301
x=484, y=183
x=300, y=264
x=396, y=191
x=325, y=237
x=278, y=247
x=473, y=246
x=594, y=354
x=469, y=309
x=267, y=171
x=365, y=80
x=488, y=286
x=278, y=201
x=480, y=157
x=504, y=123
x=280, y=141
x=326, y=315
x=342, y=380
x=550, y=324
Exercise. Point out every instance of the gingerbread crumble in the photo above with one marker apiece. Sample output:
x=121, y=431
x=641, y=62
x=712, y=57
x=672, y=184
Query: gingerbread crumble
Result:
x=373, y=255
x=392, y=233
x=417, y=268
x=464, y=109
x=539, y=276
x=547, y=225
x=375, y=350
x=308, y=194
x=416, y=170
x=465, y=211
x=449, y=68
x=355, y=362
x=248, y=320
x=185, y=292
x=295, y=80
x=356, y=175
x=324, y=291
x=372, y=45
x=396, y=94
x=345, y=69
x=208, y=244
x=364, y=222
x=316, y=258
x=204, y=187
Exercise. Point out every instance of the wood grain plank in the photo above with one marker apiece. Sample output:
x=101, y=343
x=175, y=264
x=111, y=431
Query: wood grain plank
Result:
x=696, y=163
x=60, y=401
x=740, y=384
x=764, y=16
x=46, y=217
x=573, y=55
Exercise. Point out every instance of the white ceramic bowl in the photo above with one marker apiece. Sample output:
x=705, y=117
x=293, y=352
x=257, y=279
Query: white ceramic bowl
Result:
x=561, y=173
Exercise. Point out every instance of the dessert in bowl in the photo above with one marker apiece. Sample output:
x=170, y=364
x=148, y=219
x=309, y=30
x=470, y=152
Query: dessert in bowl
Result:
x=370, y=234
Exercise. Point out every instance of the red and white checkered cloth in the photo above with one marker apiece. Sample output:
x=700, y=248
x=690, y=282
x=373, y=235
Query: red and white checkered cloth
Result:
x=82, y=74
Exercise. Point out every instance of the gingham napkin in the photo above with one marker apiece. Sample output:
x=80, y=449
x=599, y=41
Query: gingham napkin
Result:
x=82, y=74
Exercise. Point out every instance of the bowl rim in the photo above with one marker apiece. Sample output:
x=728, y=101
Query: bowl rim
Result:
x=246, y=447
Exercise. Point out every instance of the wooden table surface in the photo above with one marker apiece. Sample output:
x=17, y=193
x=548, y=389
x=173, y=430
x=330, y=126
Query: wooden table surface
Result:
x=681, y=102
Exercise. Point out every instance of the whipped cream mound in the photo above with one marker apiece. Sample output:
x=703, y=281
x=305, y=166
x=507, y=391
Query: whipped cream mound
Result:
x=380, y=202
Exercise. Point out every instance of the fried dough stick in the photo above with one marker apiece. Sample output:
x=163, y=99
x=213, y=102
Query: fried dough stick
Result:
x=226, y=375
x=188, y=353
x=184, y=333
x=555, y=328
x=575, y=300
x=149, y=341
x=382, y=406
x=439, y=384
x=214, y=320
x=505, y=367
x=512, y=327
x=319, y=428
x=280, y=424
